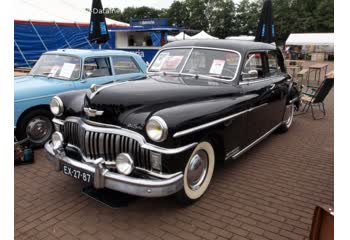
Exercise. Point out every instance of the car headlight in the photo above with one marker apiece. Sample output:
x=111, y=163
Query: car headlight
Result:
x=156, y=129
x=56, y=106
x=124, y=164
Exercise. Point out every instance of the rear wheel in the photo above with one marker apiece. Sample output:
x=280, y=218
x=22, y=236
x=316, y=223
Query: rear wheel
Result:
x=288, y=119
x=198, y=173
x=37, y=126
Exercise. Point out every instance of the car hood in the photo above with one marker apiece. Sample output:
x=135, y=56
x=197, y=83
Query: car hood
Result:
x=145, y=97
x=28, y=87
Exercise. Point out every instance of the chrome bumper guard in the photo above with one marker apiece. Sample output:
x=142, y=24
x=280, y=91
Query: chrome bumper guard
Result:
x=103, y=178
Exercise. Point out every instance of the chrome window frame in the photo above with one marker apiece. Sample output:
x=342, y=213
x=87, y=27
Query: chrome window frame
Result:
x=189, y=55
x=83, y=69
x=132, y=59
x=247, y=82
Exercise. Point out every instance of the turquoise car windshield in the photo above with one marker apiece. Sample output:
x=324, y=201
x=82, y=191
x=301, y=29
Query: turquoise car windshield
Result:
x=57, y=66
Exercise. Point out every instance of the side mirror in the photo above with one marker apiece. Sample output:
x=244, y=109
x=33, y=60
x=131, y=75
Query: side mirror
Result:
x=251, y=75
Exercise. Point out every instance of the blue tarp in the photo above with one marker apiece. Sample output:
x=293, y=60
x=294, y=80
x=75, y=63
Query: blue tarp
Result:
x=31, y=40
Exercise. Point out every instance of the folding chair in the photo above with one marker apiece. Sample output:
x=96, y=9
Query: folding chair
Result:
x=314, y=96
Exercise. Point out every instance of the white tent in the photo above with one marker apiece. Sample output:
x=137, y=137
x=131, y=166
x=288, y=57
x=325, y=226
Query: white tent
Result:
x=242, y=38
x=180, y=36
x=55, y=11
x=203, y=35
x=319, y=39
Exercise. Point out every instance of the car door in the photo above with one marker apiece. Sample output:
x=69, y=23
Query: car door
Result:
x=126, y=68
x=96, y=70
x=259, y=86
x=281, y=82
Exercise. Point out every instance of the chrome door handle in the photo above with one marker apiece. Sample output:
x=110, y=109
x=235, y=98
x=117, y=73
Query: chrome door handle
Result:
x=83, y=81
x=272, y=86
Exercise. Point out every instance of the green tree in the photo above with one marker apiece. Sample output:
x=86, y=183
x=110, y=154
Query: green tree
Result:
x=177, y=14
x=221, y=18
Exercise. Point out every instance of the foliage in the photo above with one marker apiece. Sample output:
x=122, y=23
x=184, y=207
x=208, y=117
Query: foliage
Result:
x=224, y=18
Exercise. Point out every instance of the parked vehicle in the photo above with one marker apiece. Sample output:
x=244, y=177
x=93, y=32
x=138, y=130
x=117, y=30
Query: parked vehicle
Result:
x=64, y=70
x=202, y=102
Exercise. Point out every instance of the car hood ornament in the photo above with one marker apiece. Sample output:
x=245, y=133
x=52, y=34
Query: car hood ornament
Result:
x=92, y=112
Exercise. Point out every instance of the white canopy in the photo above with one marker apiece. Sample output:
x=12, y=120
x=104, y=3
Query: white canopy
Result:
x=310, y=39
x=203, y=35
x=242, y=37
x=180, y=36
x=59, y=11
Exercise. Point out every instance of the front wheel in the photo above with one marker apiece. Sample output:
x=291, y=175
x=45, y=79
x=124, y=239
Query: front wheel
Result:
x=198, y=173
x=288, y=119
x=37, y=126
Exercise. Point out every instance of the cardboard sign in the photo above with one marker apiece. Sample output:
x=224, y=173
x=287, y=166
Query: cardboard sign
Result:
x=67, y=70
x=217, y=66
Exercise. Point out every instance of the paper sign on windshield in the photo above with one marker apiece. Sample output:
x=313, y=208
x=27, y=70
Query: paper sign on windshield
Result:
x=53, y=71
x=67, y=70
x=157, y=65
x=217, y=66
x=172, y=62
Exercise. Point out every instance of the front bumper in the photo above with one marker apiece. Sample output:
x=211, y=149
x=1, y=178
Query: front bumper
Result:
x=103, y=178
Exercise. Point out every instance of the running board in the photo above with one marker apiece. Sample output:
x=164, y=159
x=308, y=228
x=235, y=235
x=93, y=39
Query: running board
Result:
x=253, y=143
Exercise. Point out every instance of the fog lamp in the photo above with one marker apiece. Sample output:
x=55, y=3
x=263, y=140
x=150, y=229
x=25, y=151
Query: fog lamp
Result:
x=57, y=140
x=124, y=164
x=156, y=161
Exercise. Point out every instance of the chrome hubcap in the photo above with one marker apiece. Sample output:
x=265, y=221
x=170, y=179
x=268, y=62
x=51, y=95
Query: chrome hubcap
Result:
x=37, y=129
x=197, y=170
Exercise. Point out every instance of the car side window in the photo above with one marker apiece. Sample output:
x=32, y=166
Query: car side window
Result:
x=124, y=65
x=254, y=66
x=97, y=67
x=274, y=63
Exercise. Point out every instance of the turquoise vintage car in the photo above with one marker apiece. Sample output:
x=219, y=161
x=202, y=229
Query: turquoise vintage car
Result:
x=64, y=70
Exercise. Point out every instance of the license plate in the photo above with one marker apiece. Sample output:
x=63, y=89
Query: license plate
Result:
x=78, y=174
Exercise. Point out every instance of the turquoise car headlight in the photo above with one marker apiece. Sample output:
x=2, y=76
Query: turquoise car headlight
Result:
x=56, y=106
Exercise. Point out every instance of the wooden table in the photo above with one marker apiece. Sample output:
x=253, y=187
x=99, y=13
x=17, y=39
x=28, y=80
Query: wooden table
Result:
x=317, y=68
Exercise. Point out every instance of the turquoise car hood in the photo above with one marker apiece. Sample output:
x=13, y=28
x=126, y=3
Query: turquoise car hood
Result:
x=30, y=87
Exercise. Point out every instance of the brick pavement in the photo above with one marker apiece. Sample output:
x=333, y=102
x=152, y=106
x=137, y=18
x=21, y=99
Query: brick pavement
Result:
x=268, y=193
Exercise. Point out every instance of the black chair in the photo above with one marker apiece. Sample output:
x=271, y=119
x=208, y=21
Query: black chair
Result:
x=315, y=96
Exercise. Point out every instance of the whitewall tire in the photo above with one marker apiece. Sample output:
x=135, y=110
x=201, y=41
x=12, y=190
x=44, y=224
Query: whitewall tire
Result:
x=198, y=173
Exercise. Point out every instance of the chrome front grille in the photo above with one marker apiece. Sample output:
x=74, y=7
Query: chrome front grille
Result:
x=106, y=145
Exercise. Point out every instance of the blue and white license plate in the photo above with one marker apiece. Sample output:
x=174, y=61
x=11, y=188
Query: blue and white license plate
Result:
x=77, y=173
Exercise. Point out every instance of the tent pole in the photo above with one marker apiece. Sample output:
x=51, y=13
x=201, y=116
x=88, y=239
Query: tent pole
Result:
x=20, y=51
x=38, y=35
x=76, y=24
x=62, y=35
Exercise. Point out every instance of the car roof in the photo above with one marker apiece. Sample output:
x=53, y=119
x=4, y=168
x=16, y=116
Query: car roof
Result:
x=91, y=52
x=237, y=45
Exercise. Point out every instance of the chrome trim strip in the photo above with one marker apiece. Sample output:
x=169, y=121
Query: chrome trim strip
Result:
x=206, y=125
x=106, y=86
x=294, y=100
x=198, y=47
x=254, y=108
x=253, y=143
x=58, y=121
x=128, y=133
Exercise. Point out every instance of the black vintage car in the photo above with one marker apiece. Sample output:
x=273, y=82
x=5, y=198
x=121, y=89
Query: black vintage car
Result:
x=202, y=102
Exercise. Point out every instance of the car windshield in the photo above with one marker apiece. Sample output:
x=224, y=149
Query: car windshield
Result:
x=221, y=64
x=57, y=66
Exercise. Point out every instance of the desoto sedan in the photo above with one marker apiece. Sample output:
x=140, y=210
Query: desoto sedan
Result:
x=202, y=102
